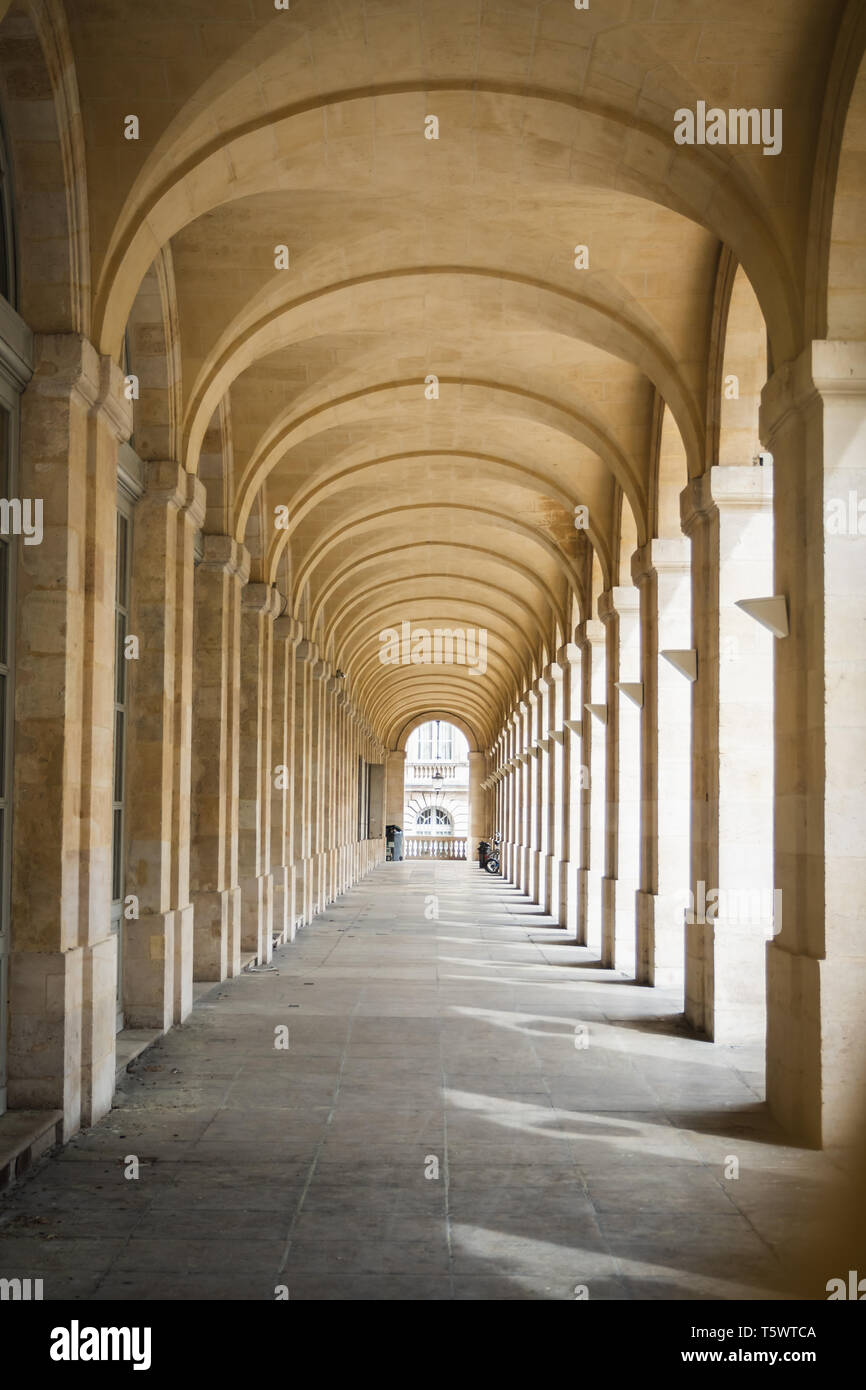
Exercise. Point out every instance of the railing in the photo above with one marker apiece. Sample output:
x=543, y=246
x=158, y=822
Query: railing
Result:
x=434, y=847
x=437, y=771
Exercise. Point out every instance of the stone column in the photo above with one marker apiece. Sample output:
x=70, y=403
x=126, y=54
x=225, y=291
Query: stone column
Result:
x=259, y=607
x=568, y=832
x=554, y=810
x=306, y=656
x=584, y=695
x=620, y=611
x=215, y=891
x=318, y=783
x=332, y=689
x=395, y=783
x=525, y=798
x=511, y=797
x=541, y=773
x=478, y=813
x=287, y=635
x=63, y=959
x=812, y=419
x=158, y=944
x=595, y=745
x=727, y=514
x=661, y=571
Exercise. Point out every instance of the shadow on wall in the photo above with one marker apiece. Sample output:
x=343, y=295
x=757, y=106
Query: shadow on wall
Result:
x=830, y=1257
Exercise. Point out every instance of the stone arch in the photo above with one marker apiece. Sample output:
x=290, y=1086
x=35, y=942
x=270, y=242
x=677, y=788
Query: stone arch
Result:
x=154, y=357
x=216, y=470
x=744, y=365
x=46, y=144
x=670, y=475
x=400, y=732
x=835, y=299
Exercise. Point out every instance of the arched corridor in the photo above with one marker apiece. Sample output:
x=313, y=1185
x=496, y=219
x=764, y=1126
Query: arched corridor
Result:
x=369, y=369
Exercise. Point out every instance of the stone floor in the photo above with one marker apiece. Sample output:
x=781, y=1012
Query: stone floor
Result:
x=581, y=1135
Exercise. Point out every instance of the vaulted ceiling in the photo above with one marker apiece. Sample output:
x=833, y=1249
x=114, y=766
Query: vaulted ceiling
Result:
x=448, y=504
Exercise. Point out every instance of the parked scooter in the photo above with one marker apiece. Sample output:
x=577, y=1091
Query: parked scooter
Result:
x=488, y=854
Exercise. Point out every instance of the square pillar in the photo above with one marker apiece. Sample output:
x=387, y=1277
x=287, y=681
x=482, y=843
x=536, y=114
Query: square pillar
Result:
x=158, y=944
x=215, y=888
x=260, y=605
x=63, y=958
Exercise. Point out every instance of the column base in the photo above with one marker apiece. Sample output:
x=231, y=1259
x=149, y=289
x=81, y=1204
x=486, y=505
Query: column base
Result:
x=216, y=934
x=661, y=939
x=257, y=916
x=582, y=906
x=282, y=897
x=622, y=909
x=62, y=1010
x=726, y=987
x=816, y=1036
x=568, y=896
x=157, y=969
x=608, y=922
x=552, y=887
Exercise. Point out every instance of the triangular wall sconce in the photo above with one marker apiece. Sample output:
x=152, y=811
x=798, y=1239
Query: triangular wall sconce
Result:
x=632, y=690
x=685, y=660
x=771, y=613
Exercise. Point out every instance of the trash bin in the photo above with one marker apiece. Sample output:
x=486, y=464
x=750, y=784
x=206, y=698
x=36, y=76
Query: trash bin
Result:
x=394, y=841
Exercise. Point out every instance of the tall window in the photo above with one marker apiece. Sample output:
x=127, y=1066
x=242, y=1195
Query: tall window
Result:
x=434, y=819
x=15, y=349
x=7, y=583
x=8, y=276
x=434, y=742
x=121, y=710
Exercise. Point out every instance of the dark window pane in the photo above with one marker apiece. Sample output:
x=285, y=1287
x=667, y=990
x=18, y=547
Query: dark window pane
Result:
x=118, y=754
x=117, y=857
x=3, y=680
x=4, y=589
x=122, y=558
x=119, y=660
x=4, y=451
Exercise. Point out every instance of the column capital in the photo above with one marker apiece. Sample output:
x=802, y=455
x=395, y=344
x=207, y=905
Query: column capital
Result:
x=617, y=601
x=67, y=364
x=307, y=651
x=224, y=553
x=594, y=632
x=321, y=671
x=288, y=629
x=261, y=598
x=825, y=368
x=661, y=556
x=568, y=654
x=168, y=484
x=746, y=488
